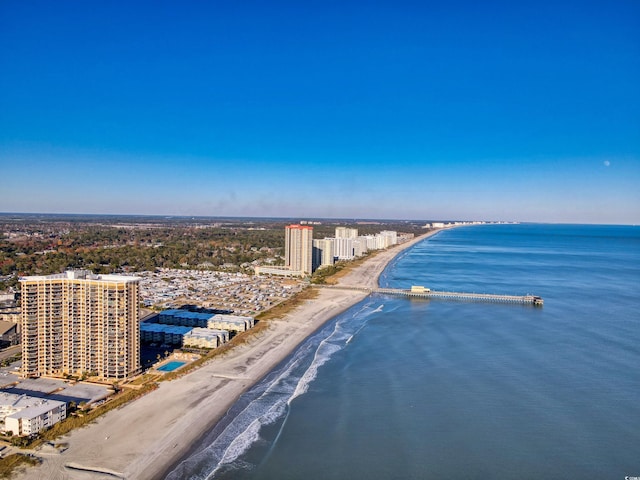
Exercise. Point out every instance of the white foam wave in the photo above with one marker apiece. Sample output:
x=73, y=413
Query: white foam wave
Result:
x=329, y=346
x=273, y=397
x=322, y=356
x=364, y=324
x=251, y=434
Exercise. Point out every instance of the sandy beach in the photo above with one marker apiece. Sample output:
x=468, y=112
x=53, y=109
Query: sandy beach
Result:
x=146, y=437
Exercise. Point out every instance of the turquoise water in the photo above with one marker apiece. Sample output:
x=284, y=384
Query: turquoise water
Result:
x=419, y=389
x=171, y=366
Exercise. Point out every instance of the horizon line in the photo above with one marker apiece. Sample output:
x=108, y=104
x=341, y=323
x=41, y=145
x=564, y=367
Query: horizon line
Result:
x=284, y=218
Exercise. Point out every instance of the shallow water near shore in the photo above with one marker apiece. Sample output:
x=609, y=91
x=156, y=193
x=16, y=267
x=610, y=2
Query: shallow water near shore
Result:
x=397, y=388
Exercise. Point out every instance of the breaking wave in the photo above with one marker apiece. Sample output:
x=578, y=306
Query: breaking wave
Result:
x=269, y=401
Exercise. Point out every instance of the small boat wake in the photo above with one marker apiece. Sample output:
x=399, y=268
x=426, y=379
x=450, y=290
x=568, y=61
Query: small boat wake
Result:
x=270, y=401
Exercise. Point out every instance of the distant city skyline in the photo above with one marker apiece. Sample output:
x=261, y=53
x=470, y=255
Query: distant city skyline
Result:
x=501, y=111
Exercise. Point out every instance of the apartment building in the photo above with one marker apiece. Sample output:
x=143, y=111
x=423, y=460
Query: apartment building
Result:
x=298, y=248
x=346, y=232
x=25, y=415
x=79, y=323
x=323, y=254
x=343, y=248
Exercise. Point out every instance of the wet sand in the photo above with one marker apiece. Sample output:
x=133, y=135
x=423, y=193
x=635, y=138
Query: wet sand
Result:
x=145, y=438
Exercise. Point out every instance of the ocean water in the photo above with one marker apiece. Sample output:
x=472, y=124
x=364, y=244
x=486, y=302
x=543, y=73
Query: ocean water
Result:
x=432, y=389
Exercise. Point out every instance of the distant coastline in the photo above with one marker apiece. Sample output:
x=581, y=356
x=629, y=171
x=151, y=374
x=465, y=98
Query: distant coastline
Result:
x=149, y=437
x=359, y=276
x=156, y=217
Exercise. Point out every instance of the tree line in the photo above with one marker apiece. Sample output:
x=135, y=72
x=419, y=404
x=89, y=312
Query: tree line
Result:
x=42, y=245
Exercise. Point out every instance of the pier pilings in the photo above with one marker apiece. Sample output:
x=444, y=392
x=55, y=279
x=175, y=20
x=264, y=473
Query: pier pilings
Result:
x=442, y=295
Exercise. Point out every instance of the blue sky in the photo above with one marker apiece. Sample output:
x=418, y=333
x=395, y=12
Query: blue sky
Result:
x=524, y=111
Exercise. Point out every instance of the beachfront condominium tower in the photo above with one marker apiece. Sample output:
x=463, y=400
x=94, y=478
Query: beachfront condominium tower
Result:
x=346, y=232
x=298, y=248
x=78, y=323
x=323, y=252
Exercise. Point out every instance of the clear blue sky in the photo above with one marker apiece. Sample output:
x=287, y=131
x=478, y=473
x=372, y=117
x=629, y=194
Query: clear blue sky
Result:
x=515, y=110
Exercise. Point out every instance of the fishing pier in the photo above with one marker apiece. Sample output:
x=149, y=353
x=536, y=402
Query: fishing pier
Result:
x=426, y=293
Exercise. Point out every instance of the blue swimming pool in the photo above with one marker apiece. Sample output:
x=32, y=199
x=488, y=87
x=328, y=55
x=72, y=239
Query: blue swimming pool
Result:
x=171, y=366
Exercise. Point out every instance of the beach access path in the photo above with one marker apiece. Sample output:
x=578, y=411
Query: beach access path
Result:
x=144, y=438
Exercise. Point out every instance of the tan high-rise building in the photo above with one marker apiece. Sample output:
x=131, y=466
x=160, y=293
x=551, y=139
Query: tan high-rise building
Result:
x=79, y=323
x=298, y=248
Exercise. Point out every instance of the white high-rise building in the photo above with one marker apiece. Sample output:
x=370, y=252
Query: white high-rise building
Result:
x=343, y=248
x=298, y=248
x=390, y=237
x=360, y=246
x=79, y=323
x=346, y=232
x=323, y=252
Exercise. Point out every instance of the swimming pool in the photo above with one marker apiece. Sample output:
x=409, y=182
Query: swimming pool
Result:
x=171, y=366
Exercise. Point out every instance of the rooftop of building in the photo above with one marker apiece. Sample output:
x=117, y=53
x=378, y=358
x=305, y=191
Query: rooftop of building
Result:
x=300, y=227
x=25, y=406
x=6, y=326
x=186, y=314
x=207, y=333
x=163, y=328
x=230, y=319
x=81, y=275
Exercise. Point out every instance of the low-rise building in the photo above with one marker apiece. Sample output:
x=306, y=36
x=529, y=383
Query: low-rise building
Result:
x=8, y=334
x=205, y=338
x=234, y=323
x=7, y=297
x=11, y=314
x=184, y=318
x=160, y=333
x=24, y=415
x=278, y=270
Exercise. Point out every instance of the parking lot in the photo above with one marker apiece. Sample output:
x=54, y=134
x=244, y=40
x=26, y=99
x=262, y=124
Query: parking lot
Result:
x=62, y=390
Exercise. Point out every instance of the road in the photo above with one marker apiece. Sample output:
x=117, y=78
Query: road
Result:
x=10, y=351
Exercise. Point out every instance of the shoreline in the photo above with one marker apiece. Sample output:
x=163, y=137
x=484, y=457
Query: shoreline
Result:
x=196, y=444
x=151, y=436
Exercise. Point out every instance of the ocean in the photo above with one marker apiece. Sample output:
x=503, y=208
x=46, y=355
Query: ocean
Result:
x=430, y=389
